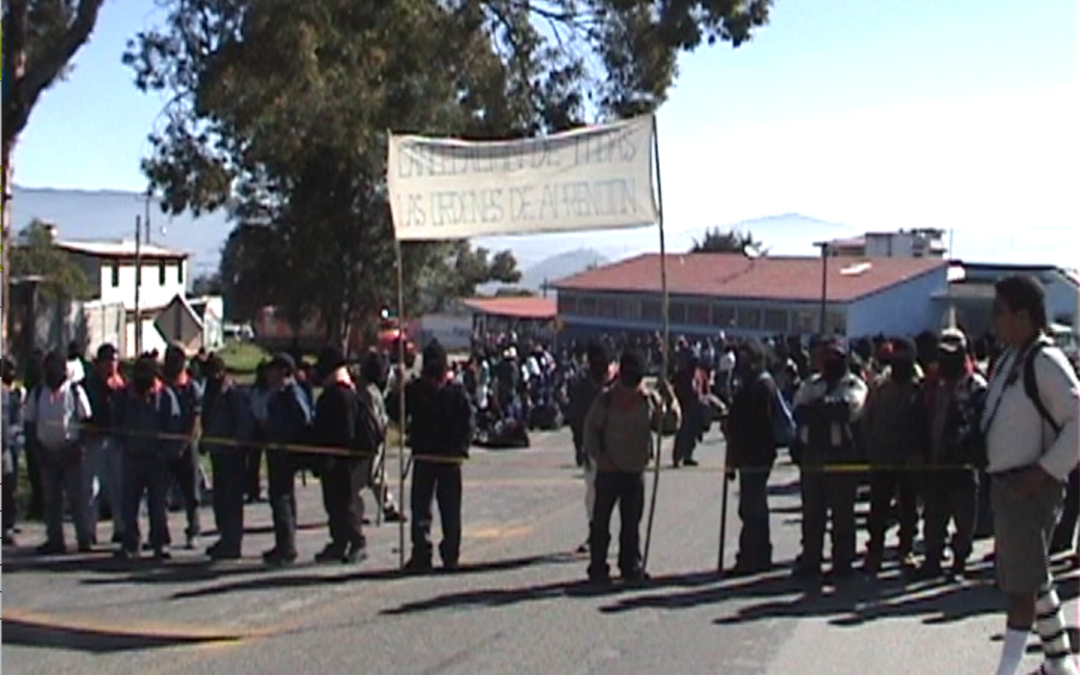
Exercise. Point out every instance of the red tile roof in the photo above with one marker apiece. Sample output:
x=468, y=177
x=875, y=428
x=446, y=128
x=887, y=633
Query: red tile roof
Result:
x=770, y=278
x=540, y=309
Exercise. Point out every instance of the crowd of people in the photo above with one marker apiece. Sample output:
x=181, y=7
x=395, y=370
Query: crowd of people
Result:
x=951, y=434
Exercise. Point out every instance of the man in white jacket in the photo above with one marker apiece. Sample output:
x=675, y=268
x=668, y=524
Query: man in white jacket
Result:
x=1032, y=444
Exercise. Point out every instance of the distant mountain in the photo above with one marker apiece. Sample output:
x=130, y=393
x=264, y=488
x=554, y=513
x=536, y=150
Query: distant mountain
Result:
x=110, y=214
x=560, y=266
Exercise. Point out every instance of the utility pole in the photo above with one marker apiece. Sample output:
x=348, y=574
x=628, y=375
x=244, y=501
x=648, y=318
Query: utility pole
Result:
x=138, y=286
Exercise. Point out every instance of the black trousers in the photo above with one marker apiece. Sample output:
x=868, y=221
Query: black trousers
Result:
x=145, y=475
x=282, y=468
x=229, y=466
x=950, y=496
x=828, y=497
x=1065, y=533
x=253, y=457
x=33, y=449
x=627, y=490
x=342, y=481
x=755, y=542
x=885, y=488
x=184, y=477
x=432, y=480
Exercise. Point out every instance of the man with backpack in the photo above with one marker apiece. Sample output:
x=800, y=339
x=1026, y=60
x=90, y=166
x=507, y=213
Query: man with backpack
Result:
x=586, y=388
x=759, y=422
x=1031, y=430
x=346, y=423
x=58, y=408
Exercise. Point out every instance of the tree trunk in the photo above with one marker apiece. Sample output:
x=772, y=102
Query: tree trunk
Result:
x=6, y=153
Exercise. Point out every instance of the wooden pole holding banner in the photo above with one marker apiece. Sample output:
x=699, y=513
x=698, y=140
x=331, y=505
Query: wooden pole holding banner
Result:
x=401, y=396
x=664, y=353
x=723, y=522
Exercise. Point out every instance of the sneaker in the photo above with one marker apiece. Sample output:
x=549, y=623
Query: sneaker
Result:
x=162, y=554
x=51, y=548
x=690, y=462
x=190, y=541
x=221, y=552
x=278, y=558
x=331, y=553
x=392, y=515
x=356, y=553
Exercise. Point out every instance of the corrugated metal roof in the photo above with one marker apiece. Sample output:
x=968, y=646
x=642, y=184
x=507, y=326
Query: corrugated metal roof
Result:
x=540, y=309
x=118, y=249
x=736, y=276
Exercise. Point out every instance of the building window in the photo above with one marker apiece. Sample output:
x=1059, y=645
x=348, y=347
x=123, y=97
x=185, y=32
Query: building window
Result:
x=606, y=308
x=805, y=321
x=699, y=314
x=651, y=310
x=749, y=318
x=161, y=270
x=677, y=312
x=180, y=274
x=837, y=323
x=722, y=316
x=114, y=271
x=567, y=304
x=627, y=310
x=775, y=320
x=588, y=306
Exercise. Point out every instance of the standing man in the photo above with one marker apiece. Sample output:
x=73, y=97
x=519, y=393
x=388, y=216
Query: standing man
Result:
x=751, y=449
x=288, y=423
x=1032, y=437
x=825, y=408
x=439, y=425
x=104, y=385
x=227, y=426
x=11, y=402
x=184, y=468
x=585, y=390
x=619, y=439
x=340, y=415
x=954, y=402
x=894, y=424
x=58, y=410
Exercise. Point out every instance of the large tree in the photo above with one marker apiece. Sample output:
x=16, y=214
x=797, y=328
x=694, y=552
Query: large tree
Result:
x=717, y=240
x=40, y=38
x=280, y=109
x=35, y=254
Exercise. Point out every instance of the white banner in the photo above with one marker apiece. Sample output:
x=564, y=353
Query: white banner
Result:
x=587, y=179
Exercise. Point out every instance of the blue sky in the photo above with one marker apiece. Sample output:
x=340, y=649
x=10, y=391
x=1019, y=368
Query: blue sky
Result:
x=960, y=114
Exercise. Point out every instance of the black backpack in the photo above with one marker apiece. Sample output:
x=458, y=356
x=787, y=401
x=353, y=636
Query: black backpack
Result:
x=1031, y=385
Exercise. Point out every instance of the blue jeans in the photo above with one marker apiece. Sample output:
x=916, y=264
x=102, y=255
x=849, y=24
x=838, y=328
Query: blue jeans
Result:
x=755, y=543
x=145, y=475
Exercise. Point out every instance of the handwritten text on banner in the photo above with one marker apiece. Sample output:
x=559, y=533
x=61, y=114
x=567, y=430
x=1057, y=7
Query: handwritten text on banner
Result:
x=588, y=179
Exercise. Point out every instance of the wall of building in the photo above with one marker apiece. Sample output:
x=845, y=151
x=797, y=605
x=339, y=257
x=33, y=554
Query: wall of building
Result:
x=114, y=279
x=905, y=309
x=1062, y=292
x=587, y=313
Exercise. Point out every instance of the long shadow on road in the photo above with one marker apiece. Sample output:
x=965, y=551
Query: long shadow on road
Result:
x=25, y=633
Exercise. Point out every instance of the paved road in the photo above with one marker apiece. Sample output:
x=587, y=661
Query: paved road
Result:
x=518, y=606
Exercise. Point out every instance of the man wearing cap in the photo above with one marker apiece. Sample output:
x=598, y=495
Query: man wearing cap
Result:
x=288, y=424
x=439, y=425
x=103, y=385
x=826, y=406
x=954, y=396
x=338, y=415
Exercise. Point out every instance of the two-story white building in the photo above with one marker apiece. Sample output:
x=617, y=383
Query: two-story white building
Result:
x=110, y=267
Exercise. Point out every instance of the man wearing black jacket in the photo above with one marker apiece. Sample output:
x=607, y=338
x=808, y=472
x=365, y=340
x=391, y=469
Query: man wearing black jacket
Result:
x=337, y=414
x=752, y=450
x=439, y=424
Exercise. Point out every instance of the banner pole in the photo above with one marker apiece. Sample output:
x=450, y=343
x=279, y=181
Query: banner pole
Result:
x=401, y=398
x=723, y=524
x=664, y=352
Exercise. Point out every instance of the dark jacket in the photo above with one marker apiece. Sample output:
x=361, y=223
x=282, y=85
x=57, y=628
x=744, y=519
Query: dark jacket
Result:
x=749, y=428
x=226, y=415
x=289, y=418
x=336, y=417
x=440, y=418
x=149, y=426
x=102, y=402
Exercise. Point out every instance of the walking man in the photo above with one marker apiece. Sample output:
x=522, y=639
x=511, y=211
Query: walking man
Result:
x=1032, y=437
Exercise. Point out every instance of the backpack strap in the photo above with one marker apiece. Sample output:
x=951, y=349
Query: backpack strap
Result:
x=1031, y=385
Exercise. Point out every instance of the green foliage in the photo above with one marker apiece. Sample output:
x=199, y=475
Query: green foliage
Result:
x=36, y=255
x=279, y=111
x=726, y=241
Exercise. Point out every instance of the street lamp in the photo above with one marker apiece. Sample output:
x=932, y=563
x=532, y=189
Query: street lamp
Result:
x=824, y=246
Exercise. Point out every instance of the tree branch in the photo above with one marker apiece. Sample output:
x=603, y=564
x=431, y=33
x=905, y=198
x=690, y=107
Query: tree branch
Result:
x=43, y=71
